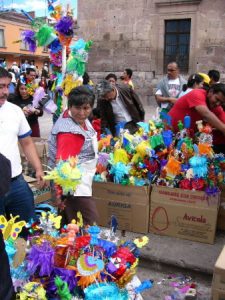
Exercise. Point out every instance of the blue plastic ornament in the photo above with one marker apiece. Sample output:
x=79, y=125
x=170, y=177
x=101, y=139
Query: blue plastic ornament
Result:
x=167, y=137
x=145, y=285
x=187, y=122
x=94, y=232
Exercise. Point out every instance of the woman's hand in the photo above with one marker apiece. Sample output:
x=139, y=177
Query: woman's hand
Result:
x=37, y=111
x=60, y=203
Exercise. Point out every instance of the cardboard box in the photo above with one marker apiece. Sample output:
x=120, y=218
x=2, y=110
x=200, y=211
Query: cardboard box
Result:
x=130, y=205
x=190, y=215
x=218, y=295
x=41, y=146
x=40, y=195
x=42, y=150
x=218, y=283
x=221, y=214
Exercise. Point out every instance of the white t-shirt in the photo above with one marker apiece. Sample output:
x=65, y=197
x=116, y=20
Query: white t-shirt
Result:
x=174, y=88
x=13, y=126
x=119, y=110
x=188, y=90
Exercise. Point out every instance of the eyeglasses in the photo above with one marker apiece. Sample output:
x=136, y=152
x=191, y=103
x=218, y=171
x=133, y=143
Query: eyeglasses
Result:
x=171, y=70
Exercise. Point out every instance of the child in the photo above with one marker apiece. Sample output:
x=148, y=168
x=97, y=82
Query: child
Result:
x=96, y=122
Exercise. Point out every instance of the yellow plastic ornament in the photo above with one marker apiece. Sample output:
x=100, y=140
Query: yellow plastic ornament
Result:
x=104, y=143
x=120, y=155
x=32, y=291
x=141, y=242
x=143, y=148
x=56, y=220
x=66, y=174
x=11, y=228
x=69, y=83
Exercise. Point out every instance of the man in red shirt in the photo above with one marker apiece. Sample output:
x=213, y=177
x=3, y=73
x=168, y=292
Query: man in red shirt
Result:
x=200, y=104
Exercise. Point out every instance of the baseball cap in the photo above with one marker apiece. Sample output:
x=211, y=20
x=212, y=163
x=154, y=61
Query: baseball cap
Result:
x=205, y=77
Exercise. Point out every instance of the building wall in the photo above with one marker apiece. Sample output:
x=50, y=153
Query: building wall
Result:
x=12, y=51
x=130, y=34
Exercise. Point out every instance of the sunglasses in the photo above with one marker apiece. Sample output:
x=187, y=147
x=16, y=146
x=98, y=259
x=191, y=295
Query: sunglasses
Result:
x=171, y=70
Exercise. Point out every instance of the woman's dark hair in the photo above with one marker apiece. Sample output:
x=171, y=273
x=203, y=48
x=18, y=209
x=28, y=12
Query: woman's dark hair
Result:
x=86, y=78
x=18, y=85
x=111, y=75
x=192, y=80
x=80, y=95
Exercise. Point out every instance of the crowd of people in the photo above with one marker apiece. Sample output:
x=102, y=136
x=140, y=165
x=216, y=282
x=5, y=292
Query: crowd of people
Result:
x=76, y=131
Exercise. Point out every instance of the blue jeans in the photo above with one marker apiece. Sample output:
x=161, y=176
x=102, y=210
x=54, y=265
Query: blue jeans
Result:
x=18, y=201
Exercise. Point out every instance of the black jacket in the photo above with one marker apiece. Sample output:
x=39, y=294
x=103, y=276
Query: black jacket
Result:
x=5, y=175
x=131, y=102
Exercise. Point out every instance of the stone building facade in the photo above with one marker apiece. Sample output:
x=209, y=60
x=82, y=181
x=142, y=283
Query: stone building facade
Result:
x=131, y=34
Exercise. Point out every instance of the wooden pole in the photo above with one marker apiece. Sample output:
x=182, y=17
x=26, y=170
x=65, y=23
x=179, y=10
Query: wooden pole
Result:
x=64, y=101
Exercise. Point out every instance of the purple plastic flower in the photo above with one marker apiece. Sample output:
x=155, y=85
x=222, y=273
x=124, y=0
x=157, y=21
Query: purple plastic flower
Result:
x=40, y=259
x=65, y=26
x=28, y=37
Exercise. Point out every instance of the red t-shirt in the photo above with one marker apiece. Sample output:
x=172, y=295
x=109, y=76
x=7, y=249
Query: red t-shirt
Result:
x=68, y=144
x=218, y=136
x=185, y=106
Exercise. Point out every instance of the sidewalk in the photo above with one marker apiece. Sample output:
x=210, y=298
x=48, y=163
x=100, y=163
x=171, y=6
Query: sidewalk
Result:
x=181, y=253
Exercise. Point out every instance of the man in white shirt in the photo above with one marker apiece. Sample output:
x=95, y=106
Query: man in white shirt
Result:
x=169, y=88
x=13, y=128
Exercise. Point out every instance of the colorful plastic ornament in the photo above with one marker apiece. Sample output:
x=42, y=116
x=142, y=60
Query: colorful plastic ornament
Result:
x=72, y=230
x=78, y=45
x=69, y=83
x=198, y=184
x=94, y=232
x=187, y=122
x=205, y=149
x=180, y=125
x=105, y=291
x=145, y=285
x=156, y=140
x=173, y=166
x=199, y=166
x=120, y=155
x=11, y=228
x=62, y=289
x=28, y=37
x=143, y=149
x=141, y=242
x=40, y=259
x=118, y=171
x=45, y=35
x=66, y=174
x=49, y=222
x=167, y=137
x=89, y=269
x=31, y=291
